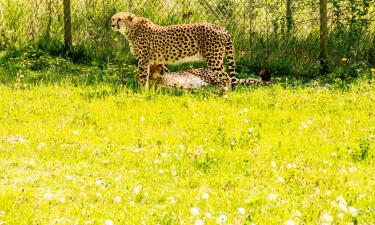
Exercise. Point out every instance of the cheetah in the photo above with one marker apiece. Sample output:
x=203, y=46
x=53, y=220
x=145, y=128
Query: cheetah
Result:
x=196, y=78
x=154, y=44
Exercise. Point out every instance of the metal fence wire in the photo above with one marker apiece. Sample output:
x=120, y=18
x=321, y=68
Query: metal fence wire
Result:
x=261, y=29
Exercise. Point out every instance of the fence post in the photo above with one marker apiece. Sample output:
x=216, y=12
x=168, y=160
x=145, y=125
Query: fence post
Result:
x=67, y=26
x=323, y=37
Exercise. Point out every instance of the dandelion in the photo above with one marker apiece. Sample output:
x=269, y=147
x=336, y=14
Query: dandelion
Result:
x=352, y=211
x=344, y=59
x=290, y=222
x=117, y=199
x=194, y=211
x=272, y=196
x=205, y=196
x=48, y=196
x=108, y=222
x=241, y=211
x=222, y=218
x=198, y=222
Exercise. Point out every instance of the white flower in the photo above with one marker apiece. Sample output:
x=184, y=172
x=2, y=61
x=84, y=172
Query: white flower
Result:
x=161, y=171
x=205, y=196
x=69, y=177
x=290, y=222
x=327, y=218
x=297, y=213
x=352, y=211
x=194, y=211
x=280, y=179
x=87, y=222
x=174, y=173
x=222, y=218
x=108, y=222
x=198, y=222
x=117, y=199
x=2, y=213
x=348, y=121
x=340, y=216
x=328, y=193
x=99, y=182
x=182, y=147
x=334, y=154
x=138, y=189
x=341, y=200
x=41, y=145
x=352, y=169
x=48, y=196
x=309, y=122
x=208, y=215
x=241, y=211
x=21, y=140
x=163, y=155
x=31, y=163
x=76, y=132
x=272, y=196
x=136, y=150
x=273, y=164
x=142, y=118
x=171, y=200
x=233, y=142
x=246, y=120
x=291, y=166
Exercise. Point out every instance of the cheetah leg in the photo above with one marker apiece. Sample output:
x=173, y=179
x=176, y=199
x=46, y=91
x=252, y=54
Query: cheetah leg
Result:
x=142, y=73
x=222, y=77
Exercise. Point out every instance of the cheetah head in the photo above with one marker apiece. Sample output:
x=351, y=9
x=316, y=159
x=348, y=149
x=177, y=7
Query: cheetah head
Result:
x=122, y=20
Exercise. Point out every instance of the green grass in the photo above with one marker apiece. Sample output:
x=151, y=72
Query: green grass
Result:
x=81, y=154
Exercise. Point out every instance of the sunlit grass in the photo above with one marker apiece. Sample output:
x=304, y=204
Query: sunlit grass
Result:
x=267, y=155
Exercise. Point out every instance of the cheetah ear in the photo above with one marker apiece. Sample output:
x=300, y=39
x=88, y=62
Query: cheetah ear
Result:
x=130, y=17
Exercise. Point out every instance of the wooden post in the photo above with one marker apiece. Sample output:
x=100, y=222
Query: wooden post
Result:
x=323, y=37
x=67, y=26
x=289, y=17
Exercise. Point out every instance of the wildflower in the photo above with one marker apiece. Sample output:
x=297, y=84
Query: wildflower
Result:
x=21, y=140
x=352, y=211
x=182, y=147
x=198, y=222
x=41, y=145
x=208, y=215
x=280, y=179
x=161, y=171
x=309, y=122
x=2, y=213
x=142, y=118
x=352, y=169
x=291, y=166
x=108, y=222
x=31, y=163
x=272, y=196
x=136, y=150
x=69, y=177
x=194, y=211
x=99, y=182
x=297, y=213
x=327, y=218
x=138, y=189
x=171, y=200
x=373, y=70
x=344, y=59
x=163, y=155
x=340, y=216
x=48, y=196
x=241, y=211
x=290, y=222
x=348, y=121
x=205, y=196
x=273, y=164
x=117, y=199
x=246, y=120
x=334, y=154
x=222, y=218
x=76, y=132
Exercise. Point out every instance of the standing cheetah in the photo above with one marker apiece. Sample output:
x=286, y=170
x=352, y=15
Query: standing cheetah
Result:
x=151, y=43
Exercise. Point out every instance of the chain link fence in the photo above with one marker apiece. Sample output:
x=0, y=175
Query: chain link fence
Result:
x=265, y=32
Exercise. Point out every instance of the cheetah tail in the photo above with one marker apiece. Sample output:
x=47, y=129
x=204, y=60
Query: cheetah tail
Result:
x=250, y=81
x=230, y=58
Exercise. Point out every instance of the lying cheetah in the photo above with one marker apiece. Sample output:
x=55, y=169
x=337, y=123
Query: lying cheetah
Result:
x=151, y=43
x=196, y=78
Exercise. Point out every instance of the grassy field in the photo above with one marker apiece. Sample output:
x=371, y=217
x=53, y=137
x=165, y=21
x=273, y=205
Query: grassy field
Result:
x=268, y=155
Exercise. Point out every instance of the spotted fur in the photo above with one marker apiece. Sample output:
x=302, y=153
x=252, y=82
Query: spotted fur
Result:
x=151, y=43
x=194, y=78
